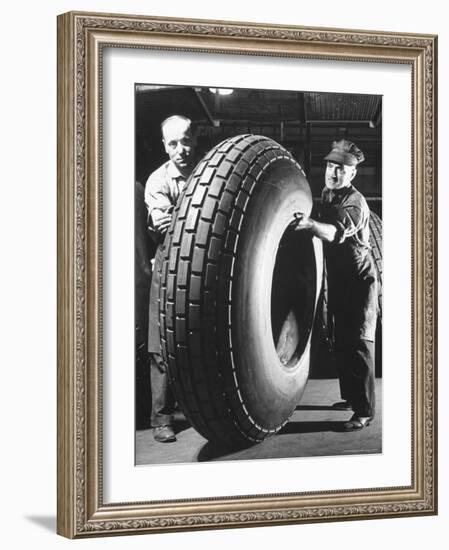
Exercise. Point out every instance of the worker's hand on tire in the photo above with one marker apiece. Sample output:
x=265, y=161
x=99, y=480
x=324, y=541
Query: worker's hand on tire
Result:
x=162, y=222
x=301, y=222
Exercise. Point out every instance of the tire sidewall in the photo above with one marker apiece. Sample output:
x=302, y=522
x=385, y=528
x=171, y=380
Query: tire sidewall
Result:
x=270, y=390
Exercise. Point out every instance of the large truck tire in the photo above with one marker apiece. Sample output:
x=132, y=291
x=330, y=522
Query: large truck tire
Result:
x=375, y=225
x=376, y=246
x=239, y=291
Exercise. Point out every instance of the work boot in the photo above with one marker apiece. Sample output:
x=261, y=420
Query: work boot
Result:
x=164, y=434
x=357, y=422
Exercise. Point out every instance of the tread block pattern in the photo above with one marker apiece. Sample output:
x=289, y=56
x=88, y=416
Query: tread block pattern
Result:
x=375, y=225
x=196, y=287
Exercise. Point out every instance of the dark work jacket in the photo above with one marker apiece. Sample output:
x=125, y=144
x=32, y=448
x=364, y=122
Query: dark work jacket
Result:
x=144, y=251
x=350, y=269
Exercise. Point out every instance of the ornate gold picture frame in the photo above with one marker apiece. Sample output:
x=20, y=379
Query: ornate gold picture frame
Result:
x=82, y=41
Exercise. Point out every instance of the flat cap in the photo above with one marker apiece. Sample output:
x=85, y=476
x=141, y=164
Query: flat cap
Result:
x=345, y=152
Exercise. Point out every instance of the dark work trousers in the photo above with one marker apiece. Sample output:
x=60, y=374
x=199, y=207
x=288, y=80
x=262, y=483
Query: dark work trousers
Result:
x=162, y=399
x=355, y=366
x=144, y=251
x=353, y=303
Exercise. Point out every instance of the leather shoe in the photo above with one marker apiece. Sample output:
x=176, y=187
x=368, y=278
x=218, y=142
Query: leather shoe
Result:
x=164, y=434
x=342, y=406
x=357, y=423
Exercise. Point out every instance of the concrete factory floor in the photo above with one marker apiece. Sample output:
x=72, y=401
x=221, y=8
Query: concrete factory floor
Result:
x=313, y=430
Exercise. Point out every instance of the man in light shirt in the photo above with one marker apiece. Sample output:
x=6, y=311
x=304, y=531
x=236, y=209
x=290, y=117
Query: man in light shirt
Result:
x=162, y=190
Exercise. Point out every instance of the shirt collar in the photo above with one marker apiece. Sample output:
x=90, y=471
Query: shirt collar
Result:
x=173, y=171
x=338, y=192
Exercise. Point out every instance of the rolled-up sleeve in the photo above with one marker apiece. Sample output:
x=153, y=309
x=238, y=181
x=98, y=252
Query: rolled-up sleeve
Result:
x=349, y=212
x=156, y=193
x=157, y=198
x=348, y=220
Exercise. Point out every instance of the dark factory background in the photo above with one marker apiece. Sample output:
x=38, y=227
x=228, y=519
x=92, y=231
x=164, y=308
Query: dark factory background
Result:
x=304, y=122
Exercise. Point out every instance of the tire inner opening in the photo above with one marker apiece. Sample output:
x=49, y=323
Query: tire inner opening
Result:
x=293, y=296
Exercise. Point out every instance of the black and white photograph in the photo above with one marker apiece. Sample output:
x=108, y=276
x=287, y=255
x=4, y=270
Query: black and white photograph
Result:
x=222, y=317
x=258, y=274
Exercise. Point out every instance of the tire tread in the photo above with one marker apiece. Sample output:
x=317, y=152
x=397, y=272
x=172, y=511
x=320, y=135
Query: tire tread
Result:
x=196, y=288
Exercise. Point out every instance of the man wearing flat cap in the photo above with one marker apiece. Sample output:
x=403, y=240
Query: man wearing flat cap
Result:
x=343, y=226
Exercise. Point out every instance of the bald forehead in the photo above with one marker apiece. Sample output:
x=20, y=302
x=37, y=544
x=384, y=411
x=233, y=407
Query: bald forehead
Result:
x=175, y=126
